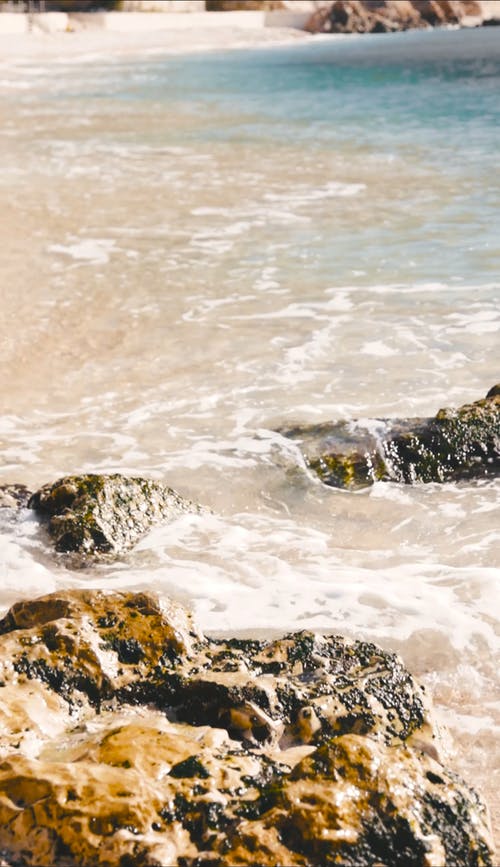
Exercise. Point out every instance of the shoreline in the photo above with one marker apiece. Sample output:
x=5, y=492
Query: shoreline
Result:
x=158, y=33
x=81, y=47
x=86, y=37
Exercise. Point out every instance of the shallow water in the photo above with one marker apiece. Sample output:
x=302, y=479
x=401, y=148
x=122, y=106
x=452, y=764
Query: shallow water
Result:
x=198, y=250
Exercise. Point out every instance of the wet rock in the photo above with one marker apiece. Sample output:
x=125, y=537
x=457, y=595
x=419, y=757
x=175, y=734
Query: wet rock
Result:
x=88, y=645
x=386, y=16
x=457, y=444
x=301, y=689
x=359, y=803
x=99, y=514
x=126, y=737
x=14, y=496
x=92, y=647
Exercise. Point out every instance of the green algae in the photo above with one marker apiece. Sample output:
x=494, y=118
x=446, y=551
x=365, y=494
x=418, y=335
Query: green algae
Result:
x=455, y=445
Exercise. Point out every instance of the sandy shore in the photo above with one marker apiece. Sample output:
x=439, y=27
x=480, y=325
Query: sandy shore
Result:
x=182, y=34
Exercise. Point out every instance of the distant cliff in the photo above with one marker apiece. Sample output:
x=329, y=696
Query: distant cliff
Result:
x=386, y=16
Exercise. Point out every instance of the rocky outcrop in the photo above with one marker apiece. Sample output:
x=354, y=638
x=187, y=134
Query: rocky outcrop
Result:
x=102, y=514
x=93, y=648
x=128, y=738
x=356, y=803
x=14, y=496
x=457, y=444
x=386, y=16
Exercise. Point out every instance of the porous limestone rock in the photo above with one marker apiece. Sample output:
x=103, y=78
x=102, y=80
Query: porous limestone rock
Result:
x=300, y=689
x=457, y=444
x=94, y=647
x=128, y=738
x=95, y=514
x=359, y=803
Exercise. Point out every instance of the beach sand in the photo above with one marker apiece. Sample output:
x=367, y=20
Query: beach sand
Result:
x=180, y=34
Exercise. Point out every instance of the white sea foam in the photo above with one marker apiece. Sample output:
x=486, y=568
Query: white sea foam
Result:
x=234, y=221
x=378, y=348
x=10, y=84
x=302, y=195
x=95, y=251
x=284, y=581
x=479, y=322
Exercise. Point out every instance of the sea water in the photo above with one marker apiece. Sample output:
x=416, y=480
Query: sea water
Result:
x=197, y=250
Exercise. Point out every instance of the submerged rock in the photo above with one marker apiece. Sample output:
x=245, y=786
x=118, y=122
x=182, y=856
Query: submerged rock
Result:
x=128, y=738
x=94, y=514
x=457, y=444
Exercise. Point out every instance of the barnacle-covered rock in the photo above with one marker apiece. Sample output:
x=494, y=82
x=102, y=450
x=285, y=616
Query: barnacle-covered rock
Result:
x=94, y=514
x=457, y=444
x=128, y=738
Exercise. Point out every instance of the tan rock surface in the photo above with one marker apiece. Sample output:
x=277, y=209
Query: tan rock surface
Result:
x=354, y=801
x=127, y=738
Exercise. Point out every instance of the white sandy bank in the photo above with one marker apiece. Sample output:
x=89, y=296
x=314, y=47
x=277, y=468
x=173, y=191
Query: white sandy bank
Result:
x=112, y=34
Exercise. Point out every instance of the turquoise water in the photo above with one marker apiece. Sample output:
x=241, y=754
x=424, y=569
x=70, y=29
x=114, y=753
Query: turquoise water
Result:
x=425, y=103
x=199, y=249
x=410, y=109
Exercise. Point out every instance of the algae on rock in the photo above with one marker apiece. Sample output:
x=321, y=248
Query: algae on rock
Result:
x=95, y=514
x=141, y=742
x=456, y=444
x=358, y=803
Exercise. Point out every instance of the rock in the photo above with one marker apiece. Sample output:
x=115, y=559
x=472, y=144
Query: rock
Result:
x=96, y=514
x=301, y=689
x=457, y=444
x=136, y=791
x=382, y=16
x=357, y=802
x=360, y=16
x=14, y=496
x=91, y=643
x=92, y=647
x=128, y=738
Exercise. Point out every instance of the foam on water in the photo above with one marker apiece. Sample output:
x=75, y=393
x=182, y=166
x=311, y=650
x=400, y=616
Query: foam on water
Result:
x=96, y=251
